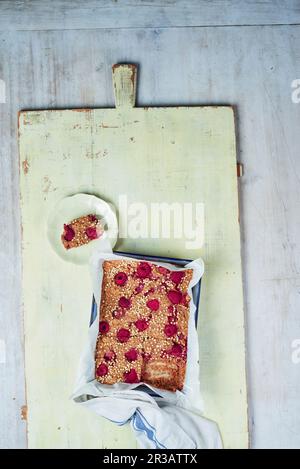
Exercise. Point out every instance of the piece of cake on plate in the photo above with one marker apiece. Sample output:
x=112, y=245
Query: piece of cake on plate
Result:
x=81, y=231
x=143, y=327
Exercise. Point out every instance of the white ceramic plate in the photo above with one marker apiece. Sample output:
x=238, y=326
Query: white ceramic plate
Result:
x=77, y=206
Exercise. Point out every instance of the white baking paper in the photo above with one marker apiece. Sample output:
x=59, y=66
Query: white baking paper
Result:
x=190, y=396
x=165, y=419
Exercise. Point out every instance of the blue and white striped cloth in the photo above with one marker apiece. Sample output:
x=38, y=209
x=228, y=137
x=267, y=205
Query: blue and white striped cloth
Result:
x=157, y=424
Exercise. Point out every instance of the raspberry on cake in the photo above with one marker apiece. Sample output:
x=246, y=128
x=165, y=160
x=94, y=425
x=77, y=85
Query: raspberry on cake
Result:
x=118, y=361
x=81, y=231
x=143, y=325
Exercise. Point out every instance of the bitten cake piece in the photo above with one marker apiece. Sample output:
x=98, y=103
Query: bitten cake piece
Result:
x=143, y=325
x=81, y=231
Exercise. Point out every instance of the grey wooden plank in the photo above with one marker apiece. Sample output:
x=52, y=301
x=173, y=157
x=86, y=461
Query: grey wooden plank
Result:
x=251, y=68
x=12, y=429
x=94, y=14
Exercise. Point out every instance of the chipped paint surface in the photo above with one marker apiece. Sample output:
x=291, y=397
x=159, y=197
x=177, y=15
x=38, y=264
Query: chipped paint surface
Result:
x=47, y=185
x=124, y=84
x=200, y=167
x=25, y=166
x=24, y=412
x=105, y=126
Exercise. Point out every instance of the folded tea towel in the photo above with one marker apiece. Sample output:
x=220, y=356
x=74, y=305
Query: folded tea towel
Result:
x=156, y=424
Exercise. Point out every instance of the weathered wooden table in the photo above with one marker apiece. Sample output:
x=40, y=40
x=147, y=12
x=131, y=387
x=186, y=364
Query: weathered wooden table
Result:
x=246, y=54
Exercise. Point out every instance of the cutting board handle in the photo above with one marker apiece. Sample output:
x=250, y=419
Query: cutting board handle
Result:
x=124, y=83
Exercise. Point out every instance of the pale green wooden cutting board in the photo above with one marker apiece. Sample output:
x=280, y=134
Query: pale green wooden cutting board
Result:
x=171, y=154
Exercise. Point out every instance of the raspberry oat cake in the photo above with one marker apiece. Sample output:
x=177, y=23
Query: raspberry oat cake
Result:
x=143, y=326
x=81, y=231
